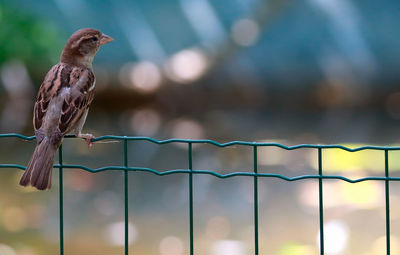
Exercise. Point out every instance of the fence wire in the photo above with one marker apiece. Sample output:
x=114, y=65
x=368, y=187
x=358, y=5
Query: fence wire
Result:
x=190, y=172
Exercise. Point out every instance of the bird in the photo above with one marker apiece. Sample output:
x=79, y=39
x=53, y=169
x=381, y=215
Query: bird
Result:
x=62, y=103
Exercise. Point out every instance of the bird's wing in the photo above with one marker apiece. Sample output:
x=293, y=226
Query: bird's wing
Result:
x=77, y=101
x=73, y=88
x=44, y=96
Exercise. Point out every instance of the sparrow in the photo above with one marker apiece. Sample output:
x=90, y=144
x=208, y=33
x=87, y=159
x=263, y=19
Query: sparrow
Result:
x=62, y=103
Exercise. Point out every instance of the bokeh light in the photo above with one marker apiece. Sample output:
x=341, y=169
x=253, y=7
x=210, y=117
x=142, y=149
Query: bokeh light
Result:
x=19, y=88
x=338, y=160
x=363, y=195
x=15, y=78
x=171, y=245
x=115, y=233
x=336, y=234
x=187, y=129
x=269, y=156
x=245, y=32
x=296, y=249
x=143, y=77
x=6, y=250
x=145, y=122
x=187, y=65
x=229, y=247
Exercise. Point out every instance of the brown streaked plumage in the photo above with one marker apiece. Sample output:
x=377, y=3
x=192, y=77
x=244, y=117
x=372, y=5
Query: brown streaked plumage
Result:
x=62, y=103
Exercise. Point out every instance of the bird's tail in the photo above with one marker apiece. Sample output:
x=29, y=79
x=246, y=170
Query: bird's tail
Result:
x=38, y=172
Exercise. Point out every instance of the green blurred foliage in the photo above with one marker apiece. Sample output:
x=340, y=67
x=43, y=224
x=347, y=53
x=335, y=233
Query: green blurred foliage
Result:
x=28, y=38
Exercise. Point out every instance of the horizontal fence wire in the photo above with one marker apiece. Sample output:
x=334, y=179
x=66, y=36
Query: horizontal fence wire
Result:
x=210, y=172
x=125, y=168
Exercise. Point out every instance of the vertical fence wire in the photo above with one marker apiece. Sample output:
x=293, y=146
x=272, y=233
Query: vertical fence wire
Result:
x=190, y=156
x=61, y=200
x=387, y=203
x=126, y=197
x=255, y=200
x=321, y=204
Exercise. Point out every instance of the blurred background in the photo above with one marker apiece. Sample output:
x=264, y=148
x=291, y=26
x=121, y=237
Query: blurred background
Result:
x=312, y=71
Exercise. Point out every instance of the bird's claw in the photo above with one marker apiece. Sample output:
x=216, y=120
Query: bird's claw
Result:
x=88, y=138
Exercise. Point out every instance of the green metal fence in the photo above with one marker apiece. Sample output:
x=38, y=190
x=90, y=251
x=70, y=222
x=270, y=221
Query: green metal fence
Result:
x=126, y=168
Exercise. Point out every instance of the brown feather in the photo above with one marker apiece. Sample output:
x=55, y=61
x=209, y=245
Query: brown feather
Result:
x=71, y=112
x=63, y=98
x=38, y=171
x=72, y=51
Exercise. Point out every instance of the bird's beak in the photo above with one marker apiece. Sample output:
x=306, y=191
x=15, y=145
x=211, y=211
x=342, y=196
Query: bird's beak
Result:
x=105, y=39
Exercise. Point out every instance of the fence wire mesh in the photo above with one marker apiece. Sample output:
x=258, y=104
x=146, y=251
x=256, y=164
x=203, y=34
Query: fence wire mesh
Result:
x=255, y=174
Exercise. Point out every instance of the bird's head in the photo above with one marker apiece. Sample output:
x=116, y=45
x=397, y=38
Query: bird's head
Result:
x=82, y=46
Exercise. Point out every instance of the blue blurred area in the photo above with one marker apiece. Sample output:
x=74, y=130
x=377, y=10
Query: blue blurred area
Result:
x=303, y=43
x=249, y=69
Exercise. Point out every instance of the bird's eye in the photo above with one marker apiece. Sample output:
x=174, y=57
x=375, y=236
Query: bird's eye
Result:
x=94, y=39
